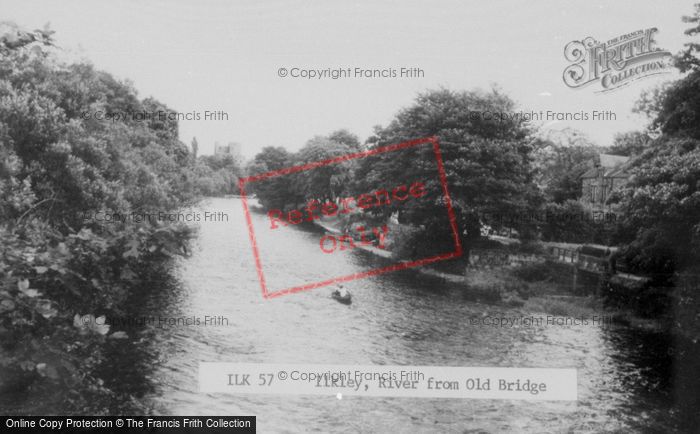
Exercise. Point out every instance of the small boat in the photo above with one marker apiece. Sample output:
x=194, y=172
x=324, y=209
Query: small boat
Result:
x=345, y=299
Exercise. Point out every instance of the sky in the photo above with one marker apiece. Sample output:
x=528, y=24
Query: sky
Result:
x=198, y=56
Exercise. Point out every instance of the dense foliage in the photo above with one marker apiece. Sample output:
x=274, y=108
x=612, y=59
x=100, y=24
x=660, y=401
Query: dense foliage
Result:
x=62, y=270
x=661, y=203
x=561, y=159
x=217, y=175
x=660, y=229
x=321, y=183
x=661, y=207
x=487, y=160
x=688, y=59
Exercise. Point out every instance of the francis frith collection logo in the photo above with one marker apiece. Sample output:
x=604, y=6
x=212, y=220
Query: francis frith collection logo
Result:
x=616, y=62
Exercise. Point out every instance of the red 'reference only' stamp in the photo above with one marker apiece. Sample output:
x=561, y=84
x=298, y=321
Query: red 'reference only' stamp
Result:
x=373, y=237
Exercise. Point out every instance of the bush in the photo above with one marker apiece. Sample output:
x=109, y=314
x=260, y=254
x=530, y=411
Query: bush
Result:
x=533, y=272
x=567, y=223
x=404, y=241
x=646, y=299
x=60, y=273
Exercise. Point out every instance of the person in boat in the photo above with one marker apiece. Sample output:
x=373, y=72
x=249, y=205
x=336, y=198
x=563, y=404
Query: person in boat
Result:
x=341, y=294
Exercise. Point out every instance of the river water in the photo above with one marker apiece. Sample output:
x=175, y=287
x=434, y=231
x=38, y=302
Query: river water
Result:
x=399, y=319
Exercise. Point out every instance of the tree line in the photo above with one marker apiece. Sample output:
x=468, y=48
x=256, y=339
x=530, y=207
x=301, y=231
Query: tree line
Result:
x=505, y=167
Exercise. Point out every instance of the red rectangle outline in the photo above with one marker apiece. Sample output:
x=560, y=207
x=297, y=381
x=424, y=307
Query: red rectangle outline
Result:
x=395, y=267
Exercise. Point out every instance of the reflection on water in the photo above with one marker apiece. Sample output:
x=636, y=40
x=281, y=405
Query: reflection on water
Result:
x=398, y=318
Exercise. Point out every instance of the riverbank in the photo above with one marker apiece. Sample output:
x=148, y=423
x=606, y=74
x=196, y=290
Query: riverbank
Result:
x=528, y=287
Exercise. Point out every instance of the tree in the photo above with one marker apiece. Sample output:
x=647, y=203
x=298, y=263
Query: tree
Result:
x=630, y=144
x=60, y=166
x=343, y=137
x=567, y=222
x=270, y=158
x=325, y=183
x=661, y=203
x=675, y=108
x=274, y=192
x=12, y=37
x=221, y=162
x=488, y=162
x=687, y=59
x=661, y=207
x=195, y=147
x=562, y=159
x=78, y=163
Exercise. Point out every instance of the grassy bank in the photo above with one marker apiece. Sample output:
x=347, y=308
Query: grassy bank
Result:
x=534, y=289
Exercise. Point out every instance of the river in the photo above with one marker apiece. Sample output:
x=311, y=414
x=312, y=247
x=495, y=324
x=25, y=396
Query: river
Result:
x=399, y=319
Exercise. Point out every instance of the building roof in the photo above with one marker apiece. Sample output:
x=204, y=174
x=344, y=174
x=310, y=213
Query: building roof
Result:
x=612, y=166
x=610, y=161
